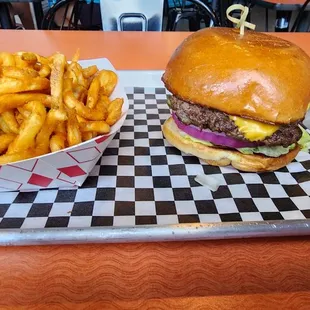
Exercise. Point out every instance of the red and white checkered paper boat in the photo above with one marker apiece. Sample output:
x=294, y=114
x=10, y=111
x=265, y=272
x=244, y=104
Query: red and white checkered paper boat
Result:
x=69, y=167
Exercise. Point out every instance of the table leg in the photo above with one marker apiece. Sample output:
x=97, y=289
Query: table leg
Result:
x=5, y=18
x=283, y=21
x=38, y=11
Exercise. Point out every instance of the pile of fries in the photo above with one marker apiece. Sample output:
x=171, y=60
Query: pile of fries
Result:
x=48, y=104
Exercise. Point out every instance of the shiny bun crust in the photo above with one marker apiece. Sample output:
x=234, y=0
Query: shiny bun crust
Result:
x=224, y=157
x=258, y=76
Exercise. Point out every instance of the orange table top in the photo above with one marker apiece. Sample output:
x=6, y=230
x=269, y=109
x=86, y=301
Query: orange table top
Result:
x=227, y=274
x=127, y=51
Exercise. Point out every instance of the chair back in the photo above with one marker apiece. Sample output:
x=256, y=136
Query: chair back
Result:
x=195, y=12
x=132, y=15
x=72, y=15
x=302, y=21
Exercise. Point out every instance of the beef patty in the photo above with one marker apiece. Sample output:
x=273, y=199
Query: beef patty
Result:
x=218, y=121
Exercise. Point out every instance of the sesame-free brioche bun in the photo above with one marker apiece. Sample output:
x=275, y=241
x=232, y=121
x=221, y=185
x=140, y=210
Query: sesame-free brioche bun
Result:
x=256, y=76
x=224, y=157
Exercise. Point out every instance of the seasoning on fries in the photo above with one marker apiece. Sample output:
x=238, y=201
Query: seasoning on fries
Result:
x=48, y=104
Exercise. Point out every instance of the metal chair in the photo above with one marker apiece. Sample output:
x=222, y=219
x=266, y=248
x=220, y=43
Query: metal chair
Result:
x=302, y=21
x=67, y=15
x=7, y=17
x=7, y=20
x=194, y=11
x=133, y=15
x=284, y=10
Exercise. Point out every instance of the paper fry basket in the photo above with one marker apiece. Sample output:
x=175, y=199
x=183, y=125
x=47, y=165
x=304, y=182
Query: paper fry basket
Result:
x=67, y=168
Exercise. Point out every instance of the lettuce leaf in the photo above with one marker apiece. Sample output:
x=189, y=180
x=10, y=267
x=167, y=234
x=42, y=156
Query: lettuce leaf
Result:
x=304, y=141
x=169, y=101
x=271, y=151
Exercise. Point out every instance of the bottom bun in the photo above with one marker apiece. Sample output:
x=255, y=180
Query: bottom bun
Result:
x=224, y=157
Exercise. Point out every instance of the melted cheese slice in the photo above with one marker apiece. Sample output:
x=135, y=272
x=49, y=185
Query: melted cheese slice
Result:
x=253, y=130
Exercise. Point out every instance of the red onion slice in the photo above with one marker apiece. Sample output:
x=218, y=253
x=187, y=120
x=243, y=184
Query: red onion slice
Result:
x=209, y=136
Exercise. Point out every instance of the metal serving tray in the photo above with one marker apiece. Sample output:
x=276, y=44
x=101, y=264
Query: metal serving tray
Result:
x=143, y=207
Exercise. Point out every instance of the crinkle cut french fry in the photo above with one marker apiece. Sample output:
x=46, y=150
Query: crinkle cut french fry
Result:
x=102, y=106
x=89, y=80
x=52, y=119
x=89, y=71
x=76, y=56
x=83, y=97
x=57, y=80
x=114, y=111
x=103, y=103
x=51, y=57
x=7, y=59
x=42, y=60
x=108, y=80
x=87, y=135
x=4, y=126
x=5, y=140
x=57, y=142
x=43, y=70
x=10, y=120
x=77, y=70
x=11, y=158
x=24, y=112
x=93, y=93
x=13, y=101
x=19, y=73
x=19, y=63
x=61, y=128
x=31, y=126
x=28, y=57
x=80, y=92
x=69, y=74
x=10, y=85
x=25, y=59
x=91, y=114
x=80, y=119
x=68, y=85
x=73, y=130
x=19, y=117
x=95, y=126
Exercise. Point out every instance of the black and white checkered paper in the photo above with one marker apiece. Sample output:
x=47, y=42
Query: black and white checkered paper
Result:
x=141, y=179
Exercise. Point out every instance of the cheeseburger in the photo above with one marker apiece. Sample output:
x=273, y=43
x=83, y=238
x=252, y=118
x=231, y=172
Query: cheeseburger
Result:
x=238, y=100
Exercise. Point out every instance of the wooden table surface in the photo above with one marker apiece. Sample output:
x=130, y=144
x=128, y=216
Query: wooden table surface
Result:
x=232, y=274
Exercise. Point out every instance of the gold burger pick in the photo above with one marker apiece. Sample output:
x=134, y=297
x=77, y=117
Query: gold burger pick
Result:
x=240, y=23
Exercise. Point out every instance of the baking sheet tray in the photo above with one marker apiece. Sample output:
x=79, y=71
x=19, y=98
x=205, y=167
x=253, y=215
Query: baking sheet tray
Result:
x=142, y=189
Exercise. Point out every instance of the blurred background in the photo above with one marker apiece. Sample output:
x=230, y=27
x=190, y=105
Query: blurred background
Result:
x=149, y=15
